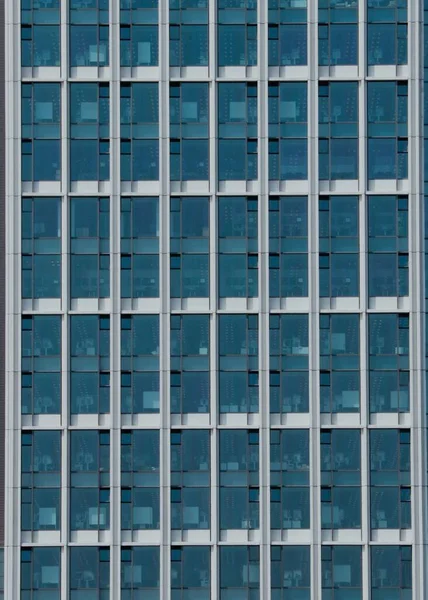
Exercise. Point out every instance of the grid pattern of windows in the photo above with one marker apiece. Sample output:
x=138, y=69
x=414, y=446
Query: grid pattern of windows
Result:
x=215, y=258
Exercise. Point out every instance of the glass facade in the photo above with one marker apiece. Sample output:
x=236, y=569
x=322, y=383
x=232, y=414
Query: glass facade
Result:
x=41, y=131
x=139, y=131
x=216, y=263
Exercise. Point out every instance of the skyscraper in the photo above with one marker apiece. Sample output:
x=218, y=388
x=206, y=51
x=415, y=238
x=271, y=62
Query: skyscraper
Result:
x=214, y=241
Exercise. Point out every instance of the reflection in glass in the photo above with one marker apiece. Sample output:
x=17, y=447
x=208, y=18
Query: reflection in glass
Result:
x=239, y=376
x=140, y=495
x=237, y=131
x=140, y=364
x=289, y=364
x=389, y=363
x=238, y=245
x=239, y=479
x=388, y=246
x=139, y=260
x=41, y=365
x=340, y=363
x=189, y=247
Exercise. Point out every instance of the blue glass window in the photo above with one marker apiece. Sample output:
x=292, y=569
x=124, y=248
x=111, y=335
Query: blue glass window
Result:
x=387, y=32
x=41, y=480
x=89, y=572
x=90, y=364
x=338, y=130
x=390, y=491
x=391, y=572
x=238, y=246
x=288, y=246
x=139, y=247
x=41, y=247
x=190, y=364
x=140, y=364
x=41, y=573
x=41, y=131
x=41, y=365
x=289, y=363
x=89, y=481
x=189, y=247
x=388, y=245
x=239, y=479
x=139, y=131
x=139, y=37
x=237, y=131
x=341, y=573
x=339, y=363
x=190, y=479
x=40, y=33
x=89, y=131
x=189, y=155
x=387, y=129
x=289, y=479
x=338, y=32
x=288, y=32
x=239, y=572
x=188, y=33
x=237, y=32
x=339, y=246
x=340, y=478
x=288, y=131
x=89, y=31
x=290, y=572
x=90, y=247
x=239, y=363
x=140, y=572
x=389, y=363
x=190, y=572
x=140, y=496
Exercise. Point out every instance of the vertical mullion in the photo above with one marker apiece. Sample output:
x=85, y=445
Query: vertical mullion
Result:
x=313, y=286
x=263, y=292
x=164, y=244
x=115, y=301
x=416, y=298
